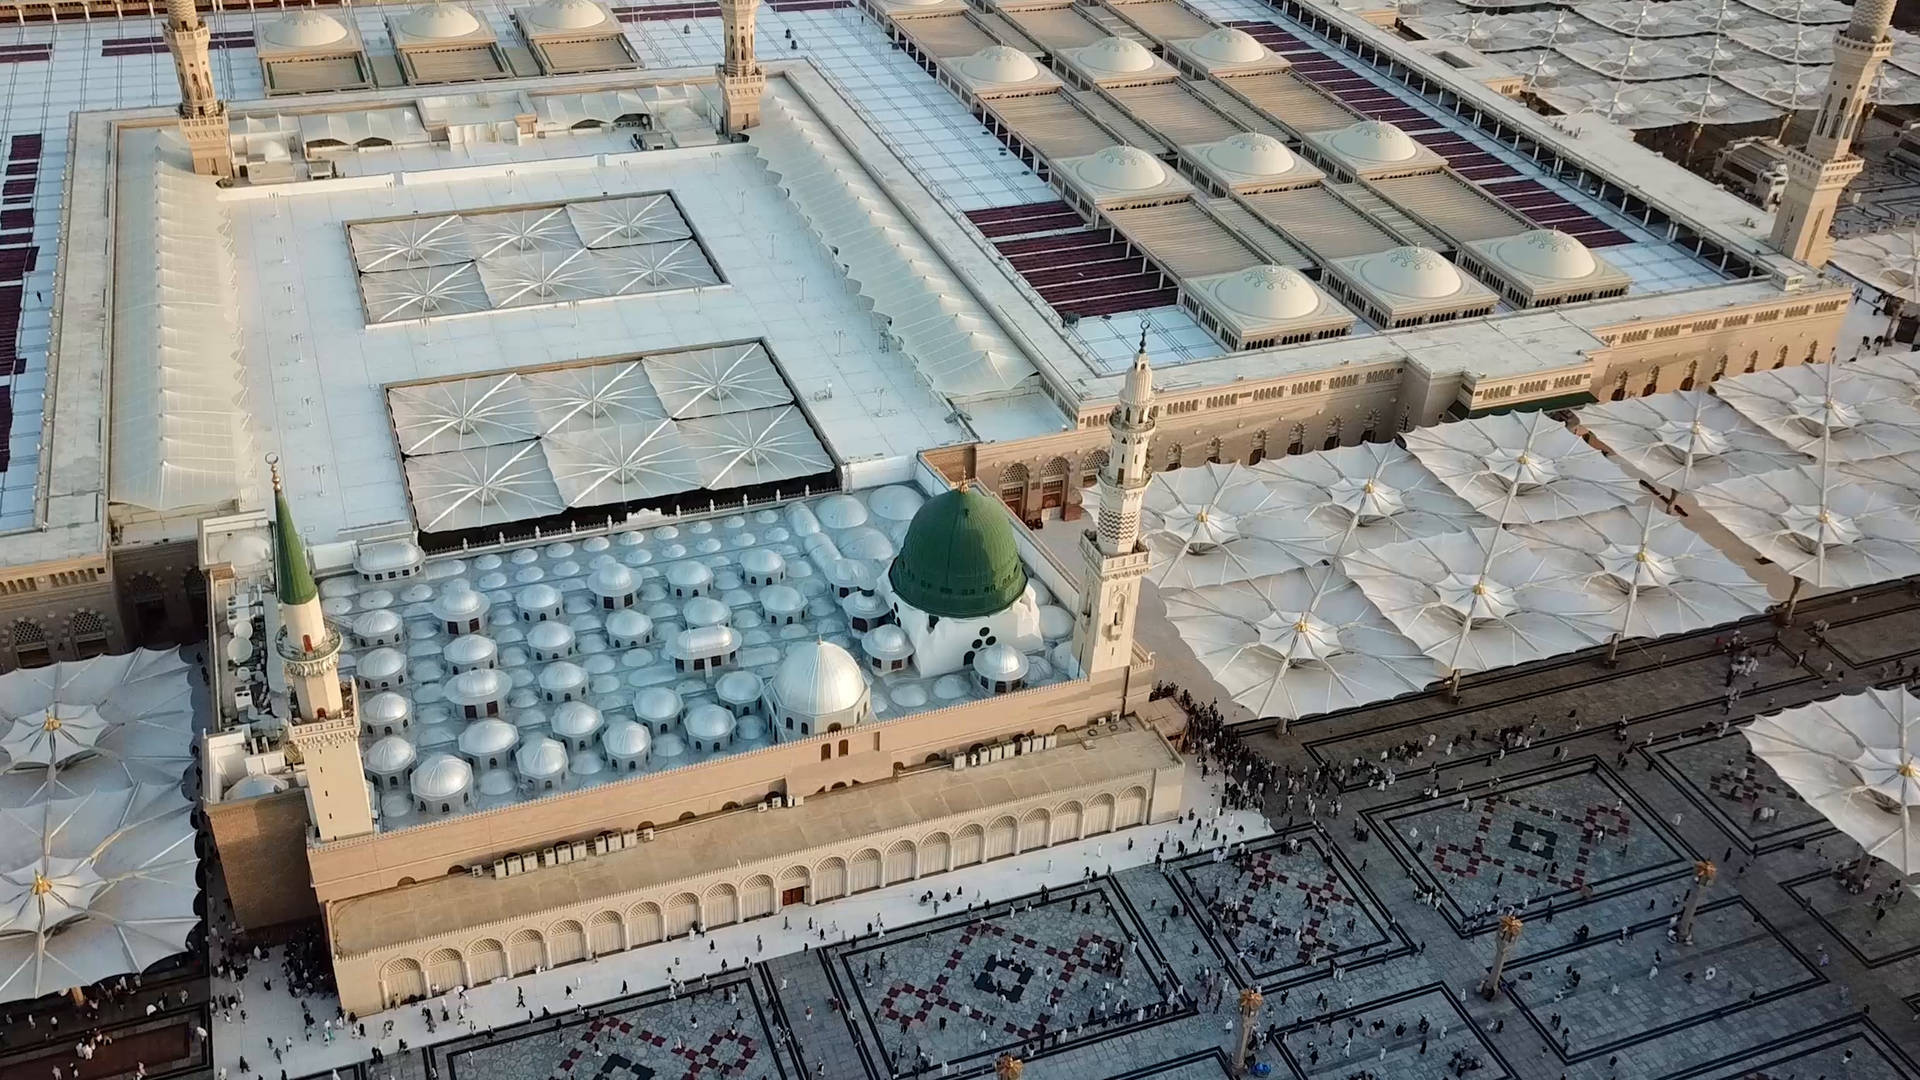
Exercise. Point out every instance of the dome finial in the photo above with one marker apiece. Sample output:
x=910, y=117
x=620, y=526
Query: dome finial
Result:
x=273, y=470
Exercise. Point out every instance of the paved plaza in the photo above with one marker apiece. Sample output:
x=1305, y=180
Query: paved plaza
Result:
x=1364, y=923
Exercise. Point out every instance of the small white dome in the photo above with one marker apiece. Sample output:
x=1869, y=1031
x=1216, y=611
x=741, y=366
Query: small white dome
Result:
x=706, y=611
x=537, y=598
x=896, y=503
x=248, y=550
x=440, y=22
x=690, y=575
x=841, y=511
x=1375, y=141
x=1411, y=271
x=384, y=556
x=1547, y=253
x=867, y=542
x=817, y=678
x=376, y=625
x=1228, y=45
x=483, y=738
x=253, y=786
x=1251, y=153
x=390, y=755
x=1000, y=663
x=611, y=579
x=1115, y=56
x=575, y=720
x=737, y=688
x=669, y=745
x=628, y=624
x=541, y=759
x=469, y=650
x=1124, y=168
x=381, y=664
x=550, y=637
x=657, y=704
x=1268, y=293
x=458, y=600
x=709, y=722
x=782, y=600
x=569, y=15
x=561, y=676
x=706, y=641
x=887, y=642
x=762, y=563
x=479, y=686
x=998, y=64
x=624, y=738
x=385, y=708
x=306, y=30
x=440, y=778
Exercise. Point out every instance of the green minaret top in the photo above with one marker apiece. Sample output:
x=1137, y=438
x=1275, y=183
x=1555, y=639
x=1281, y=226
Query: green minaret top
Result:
x=290, y=570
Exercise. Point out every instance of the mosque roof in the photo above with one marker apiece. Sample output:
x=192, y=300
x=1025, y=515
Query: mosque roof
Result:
x=959, y=558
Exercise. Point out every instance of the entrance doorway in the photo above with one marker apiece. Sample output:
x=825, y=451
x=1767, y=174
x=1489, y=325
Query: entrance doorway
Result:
x=795, y=895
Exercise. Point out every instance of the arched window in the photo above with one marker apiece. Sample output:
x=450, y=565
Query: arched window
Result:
x=30, y=644
x=843, y=748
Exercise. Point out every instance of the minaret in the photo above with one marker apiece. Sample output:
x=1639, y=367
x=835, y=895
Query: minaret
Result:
x=1816, y=176
x=203, y=116
x=321, y=714
x=1116, y=560
x=741, y=79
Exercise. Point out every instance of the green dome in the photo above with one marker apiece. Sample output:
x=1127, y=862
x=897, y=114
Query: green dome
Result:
x=959, y=559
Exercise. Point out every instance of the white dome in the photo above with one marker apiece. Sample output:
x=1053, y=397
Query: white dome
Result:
x=381, y=663
x=1411, y=271
x=478, y=686
x=575, y=720
x=706, y=611
x=441, y=777
x=1268, y=293
x=442, y=22
x=760, y=562
x=1251, y=153
x=537, y=598
x=629, y=624
x=689, y=575
x=998, y=64
x=840, y=512
x=382, y=556
x=737, y=688
x=1124, y=168
x=1000, y=663
x=1548, y=253
x=1228, y=45
x=782, y=600
x=305, y=30
x=817, y=678
x=706, y=641
x=657, y=703
x=1374, y=141
x=624, y=738
x=569, y=15
x=390, y=755
x=709, y=722
x=611, y=579
x=669, y=745
x=458, y=600
x=896, y=503
x=248, y=550
x=254, y=786
x=887, y=642
x=376, y=625
x=541, y=759
x=562, y=675
x=550, y=637
x=385, y=708
x=470, y=649
x=489, y=736
x=1115, y=56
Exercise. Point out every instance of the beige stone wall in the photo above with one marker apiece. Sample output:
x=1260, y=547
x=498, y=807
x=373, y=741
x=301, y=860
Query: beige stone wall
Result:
x=572, y=933
x=264, y=840
x=58, y=611
x=1656, y=356
x=355, y=867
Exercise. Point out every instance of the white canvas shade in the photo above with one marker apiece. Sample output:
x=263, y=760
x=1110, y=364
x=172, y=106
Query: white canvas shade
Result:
x=1852, y=758
x=1521, y=467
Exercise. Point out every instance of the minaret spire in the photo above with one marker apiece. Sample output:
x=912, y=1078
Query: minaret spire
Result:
x=322, y=714
x=1115, y=559
x=203, y=116
x=741, y=79
x=1818, y=174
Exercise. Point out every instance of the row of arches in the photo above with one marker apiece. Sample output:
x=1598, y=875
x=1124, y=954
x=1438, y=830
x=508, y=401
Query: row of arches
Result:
x=645, y=922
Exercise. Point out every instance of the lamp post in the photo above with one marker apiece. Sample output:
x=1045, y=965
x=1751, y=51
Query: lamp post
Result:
x=1250, y=1001
x=1008, y=1067
x=1703, y=875
x=1503, y=940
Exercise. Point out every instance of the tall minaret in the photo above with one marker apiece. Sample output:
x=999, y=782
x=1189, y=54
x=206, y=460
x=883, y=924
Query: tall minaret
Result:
x=1116, y=560
x=321, y=714
x=1816, y=176
x=741, y=79
x=203, y=116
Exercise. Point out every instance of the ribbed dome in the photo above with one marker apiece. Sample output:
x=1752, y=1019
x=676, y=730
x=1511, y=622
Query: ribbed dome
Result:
x=959, y=558
x=611, y=580
x=629, y=624
x=550, y=637
x=689, y=576
x=569, y=15
x=1251, y=153
x=1115, y=56
x=458, y=600
x=489, y=736
x=1000, y=663
x=441, y=777
x=1268, y=293
x=478, y=686
x=763, y=563
x=1374, y=141
x=887, y=642
x=782, y=600
x=389, y=755
x=817, y=678
x=575, y=720
x=998, y=64
x=541, y=759
x=385, y=708
x=440, y=22
x=657, y=703
x=561, y=676
x=376, y=625
x=840, y=511
x=737, y=688
x=1411, y=271
x=305, y=30
x=468, y=650
x=1123, y=168
x=709, y=722
x=1547, y=253
x=624, y=738
x=1228, y=45
x=382, y=663
x=537, y=598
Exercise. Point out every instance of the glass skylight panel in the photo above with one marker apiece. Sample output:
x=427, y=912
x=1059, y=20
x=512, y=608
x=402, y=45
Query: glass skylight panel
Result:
x=410, y=243
x=431, y=418
x=723, y=379
x=577, y=398
x=616, y=463
x=638, y=219
x=485, y=485
x=423, y=293
x=758, y=447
